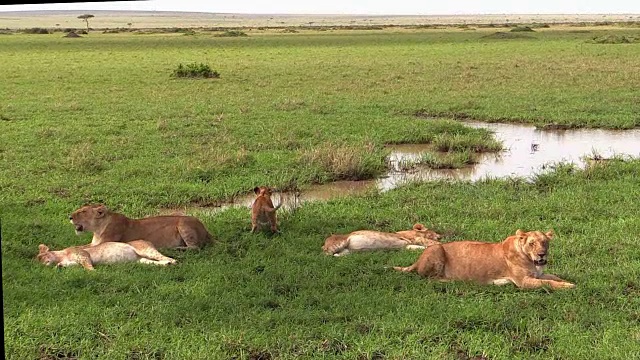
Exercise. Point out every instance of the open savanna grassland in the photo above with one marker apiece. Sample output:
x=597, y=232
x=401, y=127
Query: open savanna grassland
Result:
x=100, y=119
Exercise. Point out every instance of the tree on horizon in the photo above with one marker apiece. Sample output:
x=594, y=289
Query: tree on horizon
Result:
x=86, y=18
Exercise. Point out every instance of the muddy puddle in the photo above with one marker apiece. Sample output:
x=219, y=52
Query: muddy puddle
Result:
x=528, y=151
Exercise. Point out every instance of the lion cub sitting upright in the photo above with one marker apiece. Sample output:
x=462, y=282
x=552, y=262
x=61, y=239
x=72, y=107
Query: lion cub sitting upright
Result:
x=263, y=213
x=518, y=259
x=172, y=231
x=419, y=237
x=104, y=253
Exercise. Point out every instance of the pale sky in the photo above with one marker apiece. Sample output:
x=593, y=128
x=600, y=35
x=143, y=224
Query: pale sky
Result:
x=354, y=7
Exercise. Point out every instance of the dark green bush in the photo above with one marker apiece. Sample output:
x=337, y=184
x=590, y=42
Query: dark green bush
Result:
x=35, y=30
x=195, y=70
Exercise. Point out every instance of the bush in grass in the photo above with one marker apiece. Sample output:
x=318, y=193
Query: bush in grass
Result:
x=614, y=39
x=448, y=160
x=483, y=142
x=522, y=29
x=345, y=162
x=195, y=70
x=35, y=30
x=232, y=33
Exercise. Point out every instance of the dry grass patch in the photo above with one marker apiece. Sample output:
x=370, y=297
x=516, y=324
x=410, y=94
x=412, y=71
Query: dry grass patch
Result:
x=347, y=162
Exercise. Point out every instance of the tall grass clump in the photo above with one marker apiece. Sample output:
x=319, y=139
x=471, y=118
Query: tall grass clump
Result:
x=476, y=142
x=345, y=162
x=614, y=39
x=195, y=70
x=450, y=160
x=522, y=29
x=507, y=36
x=36, y=30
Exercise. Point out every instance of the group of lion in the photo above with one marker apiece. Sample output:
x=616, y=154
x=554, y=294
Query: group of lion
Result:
x=519, y=259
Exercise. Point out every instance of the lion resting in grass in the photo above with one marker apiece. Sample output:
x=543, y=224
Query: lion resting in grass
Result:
x=518, y=259
x=104, y=253
x=172, y=231
x=419, y=237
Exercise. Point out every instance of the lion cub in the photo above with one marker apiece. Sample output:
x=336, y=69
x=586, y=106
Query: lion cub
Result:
x=103, y=253
x=263, y=213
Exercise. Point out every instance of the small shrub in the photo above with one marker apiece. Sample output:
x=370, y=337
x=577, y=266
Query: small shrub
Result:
x=613, y=39
x=451, y=160
x=466, y=142
x=346, y=162
x=195, y=70
x=522, y=29
x=232, y=33
x=36, y=30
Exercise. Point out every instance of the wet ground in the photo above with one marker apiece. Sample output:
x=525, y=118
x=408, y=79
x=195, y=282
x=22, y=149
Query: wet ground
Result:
x=528, y=151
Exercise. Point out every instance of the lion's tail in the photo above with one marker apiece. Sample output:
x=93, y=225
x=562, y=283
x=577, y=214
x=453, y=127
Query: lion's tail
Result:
x=406, y=268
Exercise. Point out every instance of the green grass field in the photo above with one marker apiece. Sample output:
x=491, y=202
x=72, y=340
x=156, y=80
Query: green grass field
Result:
x=100, y=119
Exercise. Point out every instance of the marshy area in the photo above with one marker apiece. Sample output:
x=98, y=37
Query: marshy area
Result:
x=534, y=130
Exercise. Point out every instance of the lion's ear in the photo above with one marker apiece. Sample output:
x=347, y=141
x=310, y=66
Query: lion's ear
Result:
x=520, y=233
x=101, y=210
x=42, y=248
x=419, y=226
x=550, y=234
x=256, y=190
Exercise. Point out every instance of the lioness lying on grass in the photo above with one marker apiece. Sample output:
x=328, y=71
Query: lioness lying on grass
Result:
x=104, y=253
x=171, y=231
x=519, y=259
x=417, y=238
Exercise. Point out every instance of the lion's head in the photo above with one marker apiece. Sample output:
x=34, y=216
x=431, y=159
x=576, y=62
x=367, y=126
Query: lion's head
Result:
x=263, y=190
x=45, y=256
x=88, y=218
x=420, y=235
x=535, y=245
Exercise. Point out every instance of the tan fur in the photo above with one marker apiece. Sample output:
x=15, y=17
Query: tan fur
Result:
x=103, y=253
x=180, y=232
x=263, y=213
x=519, y=259
x=419, y=237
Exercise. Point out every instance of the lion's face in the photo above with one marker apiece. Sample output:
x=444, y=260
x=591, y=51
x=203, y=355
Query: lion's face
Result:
x=88, y=217
x=262, y=191
x=45, y=256
x=421, y=235
x=535, y=245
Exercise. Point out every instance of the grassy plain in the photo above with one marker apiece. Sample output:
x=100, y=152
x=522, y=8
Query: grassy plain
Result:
x=99, y=119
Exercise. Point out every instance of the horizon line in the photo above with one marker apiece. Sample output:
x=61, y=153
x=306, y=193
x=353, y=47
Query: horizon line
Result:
x=314, y=14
